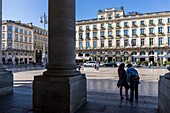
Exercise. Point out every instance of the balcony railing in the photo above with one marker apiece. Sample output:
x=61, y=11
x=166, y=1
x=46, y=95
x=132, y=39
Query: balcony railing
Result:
x=87, y=30
x=143, y=35
x=80, y=30
x=134, y=26
x=95, y=38
x=161, y=34
x=95, y=29
x=110, y=36
x=110, y=27
x=88, y=38
x=102, y=37
x=142, y=25
x=152, y=24
x=118, y=27
x=103, y=28
x=80, y=39
x=160, y=24
x=134, y=35
x=152, y=34
x=126, y=26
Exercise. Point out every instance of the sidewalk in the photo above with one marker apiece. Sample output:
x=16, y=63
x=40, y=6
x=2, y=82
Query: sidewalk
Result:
x=102, y=97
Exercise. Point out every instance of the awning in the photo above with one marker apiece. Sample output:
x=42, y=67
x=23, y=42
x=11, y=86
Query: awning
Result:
x=167, y=56
x=141, y=56
x=160, y=56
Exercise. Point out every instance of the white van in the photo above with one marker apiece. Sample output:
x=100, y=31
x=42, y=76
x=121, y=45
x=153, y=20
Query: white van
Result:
x=90, y=63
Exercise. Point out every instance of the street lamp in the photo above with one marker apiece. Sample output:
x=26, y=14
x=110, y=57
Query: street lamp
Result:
x=43, y=19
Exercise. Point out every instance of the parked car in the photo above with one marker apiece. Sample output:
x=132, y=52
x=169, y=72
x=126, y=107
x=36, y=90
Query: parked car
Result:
x=110, y=64
x=118, y=63
x=90, y=63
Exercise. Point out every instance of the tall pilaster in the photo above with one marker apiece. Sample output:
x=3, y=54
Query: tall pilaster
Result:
x=61, y=89
x=6, y=77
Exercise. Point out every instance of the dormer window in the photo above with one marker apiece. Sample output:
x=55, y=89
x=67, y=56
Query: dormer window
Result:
x=117, y=15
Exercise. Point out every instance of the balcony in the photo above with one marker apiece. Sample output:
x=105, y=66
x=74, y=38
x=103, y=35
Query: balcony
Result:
x=118, y=27
x=95, y=29
x=126, y=35
x=152, y=34
x=88, y=30
x=118, y=36
x=81, y=39
x=134, y=26
x=95, y=38
x=168, y=33
x=110, y=27
x=143, y=35
x=102, y=28
x=152, y=24
x=102, y=37
x=126, y=26
x=134, y=35
x=88, y=38
x=161, y=24
x=142, y=25
x=161, y=34
x=80, y=30
x=110, y=36
x=168, y=23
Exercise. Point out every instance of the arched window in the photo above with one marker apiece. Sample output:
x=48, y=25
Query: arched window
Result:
x=134, y=53
x=142, y=53
x=151, y=52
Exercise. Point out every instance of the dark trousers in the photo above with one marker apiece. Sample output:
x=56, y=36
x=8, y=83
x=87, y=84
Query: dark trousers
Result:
x=133, y=88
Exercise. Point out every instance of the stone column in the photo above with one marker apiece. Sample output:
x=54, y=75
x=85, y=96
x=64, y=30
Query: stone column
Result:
x=164, y=93
x=61, y=89
x=6, y=77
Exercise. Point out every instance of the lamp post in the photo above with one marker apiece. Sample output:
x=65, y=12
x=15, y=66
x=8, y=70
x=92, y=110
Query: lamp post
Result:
x=43, y=19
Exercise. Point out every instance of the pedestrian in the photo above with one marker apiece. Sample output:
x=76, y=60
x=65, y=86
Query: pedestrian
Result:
x=97, y=64
x=122, y=82
x=133, y=79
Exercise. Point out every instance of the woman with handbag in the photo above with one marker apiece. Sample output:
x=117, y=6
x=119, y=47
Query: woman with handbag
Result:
x=122, y=82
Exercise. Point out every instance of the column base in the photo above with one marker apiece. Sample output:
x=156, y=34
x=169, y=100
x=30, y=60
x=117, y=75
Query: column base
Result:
x=59, y=94
x=6, y=82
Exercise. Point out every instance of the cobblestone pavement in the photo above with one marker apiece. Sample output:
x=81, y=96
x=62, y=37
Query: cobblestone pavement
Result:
x=102, y=96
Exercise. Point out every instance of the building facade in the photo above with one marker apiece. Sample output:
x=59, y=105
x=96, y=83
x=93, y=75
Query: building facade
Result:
x=40, y=45
x=116, y=36
x=17, y=42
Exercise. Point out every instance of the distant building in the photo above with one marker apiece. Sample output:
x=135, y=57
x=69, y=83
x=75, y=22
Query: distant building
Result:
x=40, y=44
x=17, y=42
x=116, y=36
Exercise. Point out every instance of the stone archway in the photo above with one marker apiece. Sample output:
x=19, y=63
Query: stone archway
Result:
x=61, y=89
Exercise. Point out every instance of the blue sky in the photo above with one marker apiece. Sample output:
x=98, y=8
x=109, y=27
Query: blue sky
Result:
x=31, y=10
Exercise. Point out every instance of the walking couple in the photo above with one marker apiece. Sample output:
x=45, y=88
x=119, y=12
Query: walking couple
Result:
x=130, y=76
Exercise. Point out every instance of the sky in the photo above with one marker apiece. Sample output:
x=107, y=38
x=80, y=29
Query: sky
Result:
x=30, y=10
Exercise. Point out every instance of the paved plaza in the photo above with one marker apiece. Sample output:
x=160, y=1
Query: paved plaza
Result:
x=102, y=92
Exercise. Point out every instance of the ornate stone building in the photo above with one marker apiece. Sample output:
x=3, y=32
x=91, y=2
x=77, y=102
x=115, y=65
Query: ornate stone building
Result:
x=17, y=42
x=116, y=36
x=40, y=44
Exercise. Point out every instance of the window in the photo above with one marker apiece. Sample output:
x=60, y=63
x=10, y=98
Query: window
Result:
x=95, y=26
x=168, y=20
x=80, y=28
x=117, y=43
x=3, y=36
x=133, y=31
x=21, y=30
x=159, y=20
x=94, y=34
x=126, y=32
x=102, y=25
x=117, y=24
x=87, y=27
x=94, y=44
x=142, y=42
x=9, y=35
x=142, y=22
x=150, y=21
x=126, y=43
x=160, y=41
x=133, y=22
x=25, y=32
x=80, y=45
x=168, y=41
x=150, y=30
x=133, y=42
x=102, y=33
x=102, y=18
x=88, y=44
x=110, y=43
x=16, y=29
x=21, y=38
x=109, y=25
x=117, y=32
x=110, y=33
x=25, y=39
x=102, y=43
x=168, y=29
x=3, y=28
x=30, y=40
x=80, y=35
x=87, y=35
x=31, y=33
x=109, y=17
x=160, y=29
x=16, y=37
x=125, y=23
x=117, y=15
x=3, y=45
x=9, y=28
x=142, y=31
